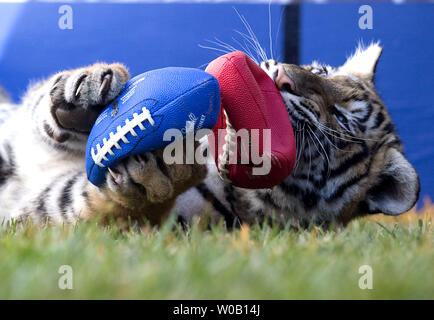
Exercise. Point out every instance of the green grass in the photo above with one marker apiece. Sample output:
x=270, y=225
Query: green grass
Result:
x=256, y=263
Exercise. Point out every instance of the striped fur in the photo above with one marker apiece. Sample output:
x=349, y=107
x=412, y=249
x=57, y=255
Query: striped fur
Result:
x=349, y=157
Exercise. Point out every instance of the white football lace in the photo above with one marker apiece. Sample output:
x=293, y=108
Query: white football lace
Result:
x=121, y=132
x=228, y=147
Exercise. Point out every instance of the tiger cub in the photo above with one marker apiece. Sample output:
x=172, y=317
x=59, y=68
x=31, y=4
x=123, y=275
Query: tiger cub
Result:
x=42, y=157
x=349, y=157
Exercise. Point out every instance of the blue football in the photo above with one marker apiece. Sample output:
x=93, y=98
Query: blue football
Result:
x=149, y=104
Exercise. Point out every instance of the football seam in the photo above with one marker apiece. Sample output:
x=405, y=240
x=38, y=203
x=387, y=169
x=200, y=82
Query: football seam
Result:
x=227, y=153
x=121, y=132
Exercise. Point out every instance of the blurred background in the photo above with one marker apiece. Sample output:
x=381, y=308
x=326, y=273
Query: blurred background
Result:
x=40, y=38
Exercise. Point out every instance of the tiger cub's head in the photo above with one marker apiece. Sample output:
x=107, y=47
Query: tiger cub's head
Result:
x=349, y=156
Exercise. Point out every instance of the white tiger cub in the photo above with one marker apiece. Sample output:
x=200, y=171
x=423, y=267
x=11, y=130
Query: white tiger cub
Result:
x=42, y=168
x=349, y=157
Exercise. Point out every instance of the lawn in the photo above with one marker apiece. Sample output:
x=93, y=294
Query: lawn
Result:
x=251, y=263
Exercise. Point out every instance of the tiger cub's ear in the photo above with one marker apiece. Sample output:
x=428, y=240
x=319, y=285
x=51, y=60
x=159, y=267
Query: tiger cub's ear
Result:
x=397, y=187
x=364, y=61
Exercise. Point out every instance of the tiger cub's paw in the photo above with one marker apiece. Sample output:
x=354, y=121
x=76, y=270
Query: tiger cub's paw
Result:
x=145, y=179
x=78, y=96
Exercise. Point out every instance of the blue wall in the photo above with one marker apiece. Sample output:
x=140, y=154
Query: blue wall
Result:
x=143, y=36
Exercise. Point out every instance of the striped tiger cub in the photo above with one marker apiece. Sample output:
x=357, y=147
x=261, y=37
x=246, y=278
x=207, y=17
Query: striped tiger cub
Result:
x=349, y=157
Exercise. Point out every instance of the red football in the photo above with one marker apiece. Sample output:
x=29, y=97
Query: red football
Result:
x=250, y=100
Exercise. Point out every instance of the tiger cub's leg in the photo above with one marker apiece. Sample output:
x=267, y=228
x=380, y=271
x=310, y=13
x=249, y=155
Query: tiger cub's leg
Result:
x=140, y=189
x=144, y=186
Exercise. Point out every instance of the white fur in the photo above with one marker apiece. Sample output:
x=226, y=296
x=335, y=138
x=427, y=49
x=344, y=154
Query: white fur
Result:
x=37, y=164
x=363, y=61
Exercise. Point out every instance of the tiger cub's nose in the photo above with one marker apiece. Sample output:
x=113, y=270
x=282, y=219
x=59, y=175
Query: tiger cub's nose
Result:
x=283, y=81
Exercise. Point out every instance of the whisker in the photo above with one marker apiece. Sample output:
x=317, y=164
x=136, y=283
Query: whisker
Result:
x=347, y=135
x=249, y=39
x=212, y=48
x=227, y=48
x=251, y=42
x=255, y=41
x=325, y=153
x=326, y=134
x=202, y=65
x=252, y=35
x=299, y=148
x=222, y=44
x=269, y=29
x=246, y=50
x=278, y=28
x=339, y=133
x=310, y=152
